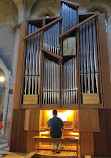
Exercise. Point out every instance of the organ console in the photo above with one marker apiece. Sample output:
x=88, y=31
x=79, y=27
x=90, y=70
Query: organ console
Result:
x=60, y=67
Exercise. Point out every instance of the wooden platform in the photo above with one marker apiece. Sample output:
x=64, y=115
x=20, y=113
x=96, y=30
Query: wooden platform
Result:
x=46, y=153
x=18, y=155
x=42, y=153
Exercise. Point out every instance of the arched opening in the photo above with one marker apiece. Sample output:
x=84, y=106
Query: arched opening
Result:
x=5, y=75
x=2, y=92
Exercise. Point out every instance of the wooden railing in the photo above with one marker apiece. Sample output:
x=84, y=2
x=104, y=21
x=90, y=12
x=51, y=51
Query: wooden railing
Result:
x=43, y=28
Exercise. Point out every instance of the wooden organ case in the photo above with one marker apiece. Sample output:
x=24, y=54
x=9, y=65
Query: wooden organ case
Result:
x=63, y=64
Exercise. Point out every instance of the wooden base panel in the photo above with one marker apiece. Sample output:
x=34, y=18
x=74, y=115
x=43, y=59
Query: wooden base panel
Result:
x=30, y=99
x=102, y=139
x=18, y=137
x=91, y=106
x=31, y=122
x=31, y=144
x=71, y=42
x=30, y=106
x=88, y=120
x=86, y=144
x=91, y=98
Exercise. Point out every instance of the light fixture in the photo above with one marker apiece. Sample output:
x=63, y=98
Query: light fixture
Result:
x=2, y=79
x=76, y=133
x=69, y=112
x=44, y=132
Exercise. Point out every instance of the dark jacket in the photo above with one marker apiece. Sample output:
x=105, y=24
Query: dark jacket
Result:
x=55, y=125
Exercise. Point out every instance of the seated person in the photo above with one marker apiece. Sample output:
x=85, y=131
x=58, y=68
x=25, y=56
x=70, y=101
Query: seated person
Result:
x=56, y=126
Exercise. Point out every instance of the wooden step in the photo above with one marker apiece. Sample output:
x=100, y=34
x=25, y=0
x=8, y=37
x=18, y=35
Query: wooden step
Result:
x=65, y=150
x=18, y=155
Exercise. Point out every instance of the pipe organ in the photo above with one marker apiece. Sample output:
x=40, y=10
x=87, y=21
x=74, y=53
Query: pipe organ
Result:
x=89, y=58
x=69, y=85
x=63, y=65
x=32, y=63
x=69, y=17
x=51, y=39
x=51, y=83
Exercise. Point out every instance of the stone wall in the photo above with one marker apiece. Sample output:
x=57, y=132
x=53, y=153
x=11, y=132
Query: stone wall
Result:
x=7, y=40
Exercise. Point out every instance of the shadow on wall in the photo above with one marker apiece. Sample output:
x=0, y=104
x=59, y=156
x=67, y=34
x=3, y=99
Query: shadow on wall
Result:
x=43, y=8
x=2, y=94
x=1, y=115
x=8, y=11
x=2, y=99
x=6, y=58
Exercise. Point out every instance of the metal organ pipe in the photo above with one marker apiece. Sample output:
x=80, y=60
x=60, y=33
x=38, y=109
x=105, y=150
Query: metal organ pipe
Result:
x=32, y=63
x=89, y=58
x=95, y=56
x=51, y=39
x=69, y=92
x=89, y=70
x=81, y=72
x=51, y=83
x=69, y=17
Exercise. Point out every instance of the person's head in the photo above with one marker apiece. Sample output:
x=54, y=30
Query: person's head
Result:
x=54, y=112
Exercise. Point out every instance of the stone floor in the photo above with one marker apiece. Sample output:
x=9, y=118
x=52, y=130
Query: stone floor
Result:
x=3, y=145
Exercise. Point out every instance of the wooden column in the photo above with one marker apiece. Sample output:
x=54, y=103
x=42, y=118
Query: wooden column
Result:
x=78, y=68
x=18, y=85
x=104, y=63
x=17, y=133
x=60, y=67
